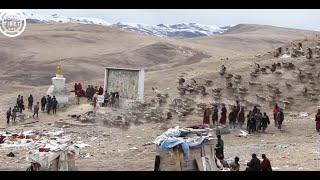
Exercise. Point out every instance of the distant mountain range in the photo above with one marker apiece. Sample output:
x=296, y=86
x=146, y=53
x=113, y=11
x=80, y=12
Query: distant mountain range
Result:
x=182, y=30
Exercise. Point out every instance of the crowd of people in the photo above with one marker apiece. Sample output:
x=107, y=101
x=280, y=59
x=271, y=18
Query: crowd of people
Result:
x=255, y=163
x=111, y=99
x=256, y=120
x=47, y=103
x=91, y=92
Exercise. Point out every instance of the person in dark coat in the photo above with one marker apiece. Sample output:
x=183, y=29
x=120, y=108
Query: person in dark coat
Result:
x=18, y=103
x=280, y=118
x=21, y=102
x=249, y=119
x=206, y=115
x=215, y=114
x=223, y=118
x=237, y=107
x=232, y=119
x=49, y=104
x=87, y=93
x=265, y=164
x=254, y=164
x=255, y=110
x=258, y=118
x=265, y=121
x=54, y=105
x=14, y=113
x=18, y=100
x=8, y=115
x=241, y=117
x=318, y=121
x=219, y=147
x=252, y=124
x=30, y=102
x=43, y=103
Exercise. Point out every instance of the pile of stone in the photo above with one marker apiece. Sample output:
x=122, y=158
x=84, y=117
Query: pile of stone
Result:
x=156, y=115
x=182, y=106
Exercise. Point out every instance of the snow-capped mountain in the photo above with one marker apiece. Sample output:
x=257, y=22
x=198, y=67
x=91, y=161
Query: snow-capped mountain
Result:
x=55, y=18
x=174, y=30
x=164, y=30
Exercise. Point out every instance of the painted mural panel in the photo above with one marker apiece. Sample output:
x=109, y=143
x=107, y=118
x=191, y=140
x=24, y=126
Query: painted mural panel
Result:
x=125, y=82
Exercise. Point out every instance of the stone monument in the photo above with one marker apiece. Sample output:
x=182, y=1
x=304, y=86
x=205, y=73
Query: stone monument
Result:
x=58, y=87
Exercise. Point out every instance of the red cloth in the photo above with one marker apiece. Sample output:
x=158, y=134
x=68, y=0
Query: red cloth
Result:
x=44, y=149
x=206, y=116
x=276, y=110
x=223, y=118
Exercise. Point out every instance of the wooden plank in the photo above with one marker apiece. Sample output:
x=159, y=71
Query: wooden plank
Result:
x=199, y=163
x=157, y=163
x=177, y=159
x=204, y=163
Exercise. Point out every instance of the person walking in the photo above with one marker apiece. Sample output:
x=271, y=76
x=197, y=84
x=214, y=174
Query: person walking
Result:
x=219, y=147
x=223, y=118
x=36, y=110
x=215, y=114
x=232, y=119
x=280, y=118
x=8, y=115
x=43, y=103
x=49, y=104
x=241, y=117
x=30, y=102
x=276, y=110
x=14, y=113
x=54, y=105
x=265, y=121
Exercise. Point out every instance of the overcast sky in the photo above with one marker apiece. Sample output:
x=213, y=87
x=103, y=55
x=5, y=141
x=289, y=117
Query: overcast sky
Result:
x=296, y=18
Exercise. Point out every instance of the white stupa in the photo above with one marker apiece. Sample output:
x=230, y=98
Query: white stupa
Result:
x=58, y=87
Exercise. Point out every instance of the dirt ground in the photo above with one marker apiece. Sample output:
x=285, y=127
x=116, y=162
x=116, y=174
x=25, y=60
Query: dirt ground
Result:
x=116, y=149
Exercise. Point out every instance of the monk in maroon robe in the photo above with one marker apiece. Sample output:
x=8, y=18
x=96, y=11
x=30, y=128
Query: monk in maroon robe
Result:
x=206, y=116
x=223, y=118
x=265, y=163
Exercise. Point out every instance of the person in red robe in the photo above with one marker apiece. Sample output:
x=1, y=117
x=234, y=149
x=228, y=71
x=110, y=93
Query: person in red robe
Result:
x=206, y=116
x=79, y=87
x=265, y=163
x=223, y=118
x=276, y=110
x=75, y=88
x=100, y=90
x=318, y=121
